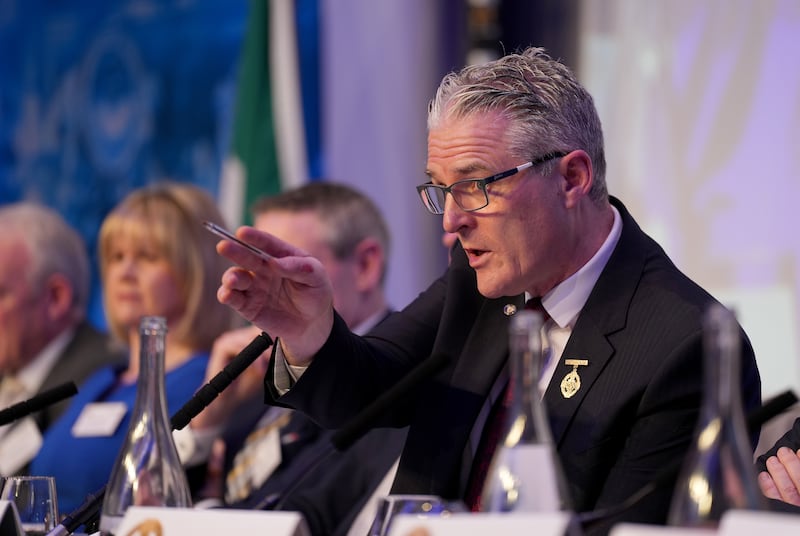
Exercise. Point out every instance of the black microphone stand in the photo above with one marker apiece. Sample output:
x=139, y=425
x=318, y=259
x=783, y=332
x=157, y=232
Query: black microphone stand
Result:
x=356, y=428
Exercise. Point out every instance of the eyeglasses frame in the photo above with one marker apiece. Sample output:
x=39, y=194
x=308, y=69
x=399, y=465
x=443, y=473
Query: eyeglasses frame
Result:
x=422, y=189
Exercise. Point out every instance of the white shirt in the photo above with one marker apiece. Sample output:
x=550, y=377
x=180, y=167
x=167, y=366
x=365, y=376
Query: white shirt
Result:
x=563, y=303
x=20, y=440
x=32, y=376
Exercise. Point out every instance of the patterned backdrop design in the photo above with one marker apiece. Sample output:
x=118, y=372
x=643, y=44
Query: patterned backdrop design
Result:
x=99, y=98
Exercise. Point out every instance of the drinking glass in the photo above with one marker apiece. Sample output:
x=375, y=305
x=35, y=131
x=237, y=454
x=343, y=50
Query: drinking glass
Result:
x=420, y=505
x=35, y=499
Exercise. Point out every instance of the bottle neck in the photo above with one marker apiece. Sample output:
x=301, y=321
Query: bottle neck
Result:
x=722, y=367
x=175, y=354
x=150, y=390
x=525, y=417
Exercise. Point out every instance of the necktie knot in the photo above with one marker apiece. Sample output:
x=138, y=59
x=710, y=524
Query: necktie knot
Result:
x=535, y=304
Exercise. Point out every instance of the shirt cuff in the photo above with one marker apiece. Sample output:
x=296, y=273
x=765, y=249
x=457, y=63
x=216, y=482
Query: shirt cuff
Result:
x=194, y=446
x=286, y=375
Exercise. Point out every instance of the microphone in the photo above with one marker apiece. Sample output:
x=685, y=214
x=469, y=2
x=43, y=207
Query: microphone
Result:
x=90, y=508
x=351, y=432
x=81, y=515
x=755, y=419
x=361, y=423
x=771, y=408
x=206, y=394
x=38, y=402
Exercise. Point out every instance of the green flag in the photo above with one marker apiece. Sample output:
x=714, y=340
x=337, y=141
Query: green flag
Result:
x=267, y=101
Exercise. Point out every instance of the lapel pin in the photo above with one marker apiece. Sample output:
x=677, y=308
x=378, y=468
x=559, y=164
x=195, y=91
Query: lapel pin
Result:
x=509, y=309
x=571, y=383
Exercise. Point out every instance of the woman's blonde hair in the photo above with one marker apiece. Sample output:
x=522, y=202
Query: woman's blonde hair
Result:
x=169, y=216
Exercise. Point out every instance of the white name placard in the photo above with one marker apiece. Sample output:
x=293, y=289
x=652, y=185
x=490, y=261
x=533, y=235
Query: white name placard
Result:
x=480, y=524
x=747, y=522
x=635, y=529
x=152, y=521
x=9, y=520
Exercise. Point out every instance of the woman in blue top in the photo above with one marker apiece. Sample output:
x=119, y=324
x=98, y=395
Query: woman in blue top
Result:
x=155, y=259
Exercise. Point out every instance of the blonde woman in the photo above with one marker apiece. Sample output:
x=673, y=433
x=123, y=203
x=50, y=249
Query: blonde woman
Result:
x=155, y=259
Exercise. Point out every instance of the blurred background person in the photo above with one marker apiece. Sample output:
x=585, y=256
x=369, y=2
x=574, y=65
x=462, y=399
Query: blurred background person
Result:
x=155, y=259
x=268, y=449
x=45, y=339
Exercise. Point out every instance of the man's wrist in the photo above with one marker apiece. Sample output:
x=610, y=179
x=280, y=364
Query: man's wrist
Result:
x=286, y=374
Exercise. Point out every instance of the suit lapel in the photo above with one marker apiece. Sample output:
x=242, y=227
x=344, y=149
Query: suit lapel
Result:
x=605, y=313
x=485, y=352
x=481, y=360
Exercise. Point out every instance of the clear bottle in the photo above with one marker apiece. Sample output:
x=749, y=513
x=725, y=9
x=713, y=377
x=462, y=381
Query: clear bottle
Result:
x=718, y=472
x=147, y=471
x=525, y=474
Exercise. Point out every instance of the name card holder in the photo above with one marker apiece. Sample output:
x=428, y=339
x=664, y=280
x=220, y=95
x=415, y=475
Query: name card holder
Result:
x=635, y=529
x=749, y=522
x=480, y=524
x=9, y=520
x=159, y=521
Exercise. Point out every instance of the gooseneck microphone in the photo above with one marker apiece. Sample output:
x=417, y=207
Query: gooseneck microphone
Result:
x=206, y=394
x=38, y=402
x=351, y=432
x=361, y=423
x=755, y=419
x=90, y=508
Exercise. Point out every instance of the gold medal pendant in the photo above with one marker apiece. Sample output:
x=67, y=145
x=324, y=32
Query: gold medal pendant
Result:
x=571, y=383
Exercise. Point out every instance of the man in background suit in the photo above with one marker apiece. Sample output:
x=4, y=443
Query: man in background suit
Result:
x=45, y=339
x=268, y=449
x=516, y=167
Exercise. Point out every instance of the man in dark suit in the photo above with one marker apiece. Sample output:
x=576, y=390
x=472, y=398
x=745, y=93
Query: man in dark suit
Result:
x=517, y=169
x=45, y=339
x=270, y=452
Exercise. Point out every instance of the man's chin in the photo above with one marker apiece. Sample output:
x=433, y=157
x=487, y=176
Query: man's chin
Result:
x=490, y=289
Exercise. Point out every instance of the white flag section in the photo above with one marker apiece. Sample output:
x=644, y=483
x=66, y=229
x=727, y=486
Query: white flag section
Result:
x=379, y=72
x=699, y=103
x=287, y=107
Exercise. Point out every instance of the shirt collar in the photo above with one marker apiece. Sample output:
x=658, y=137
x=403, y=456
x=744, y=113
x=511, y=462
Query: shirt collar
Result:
x=565, y=300
x=33, y=375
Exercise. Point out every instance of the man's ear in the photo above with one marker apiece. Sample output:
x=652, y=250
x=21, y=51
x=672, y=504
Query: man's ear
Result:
x=370, y=264
x=58, y=295
x=576, y=169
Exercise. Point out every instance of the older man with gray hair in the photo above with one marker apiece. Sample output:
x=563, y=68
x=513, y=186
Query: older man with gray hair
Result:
x=45, y=339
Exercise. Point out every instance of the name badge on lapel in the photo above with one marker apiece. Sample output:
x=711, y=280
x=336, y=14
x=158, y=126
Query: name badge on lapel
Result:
x=571, y=383
x=99, y=419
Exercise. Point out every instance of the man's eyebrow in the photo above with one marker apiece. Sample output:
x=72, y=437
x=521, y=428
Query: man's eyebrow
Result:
x=475, y=168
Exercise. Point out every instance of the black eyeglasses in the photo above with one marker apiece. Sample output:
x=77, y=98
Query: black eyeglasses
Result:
x=471, y=194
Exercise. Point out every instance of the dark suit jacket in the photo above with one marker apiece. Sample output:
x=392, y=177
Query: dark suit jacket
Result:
x=635, y=413
x=329, y=488
x=86, y=352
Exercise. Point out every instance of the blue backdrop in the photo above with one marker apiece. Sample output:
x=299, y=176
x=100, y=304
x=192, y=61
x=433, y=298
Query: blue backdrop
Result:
x=99, y=98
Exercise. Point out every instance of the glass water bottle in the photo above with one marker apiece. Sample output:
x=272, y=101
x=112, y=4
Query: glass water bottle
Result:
x=718, y=472
x=525, y=474
x=147, y=471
